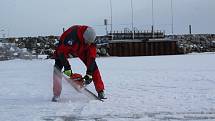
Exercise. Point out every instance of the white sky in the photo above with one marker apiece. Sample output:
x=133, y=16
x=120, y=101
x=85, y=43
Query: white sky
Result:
x=48, y=17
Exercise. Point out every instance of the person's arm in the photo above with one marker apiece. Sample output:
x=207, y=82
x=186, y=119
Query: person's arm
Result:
x=91, y=66
x=64, y=61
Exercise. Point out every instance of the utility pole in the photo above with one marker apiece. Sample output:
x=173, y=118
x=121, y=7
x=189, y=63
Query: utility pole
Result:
x=190, y=29
x=132, y=19
x=111, y=19
x=172, y=17
x=153, y=19
x=106, y=23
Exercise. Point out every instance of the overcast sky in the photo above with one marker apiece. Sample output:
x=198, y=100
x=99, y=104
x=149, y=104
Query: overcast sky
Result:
x=48, y=17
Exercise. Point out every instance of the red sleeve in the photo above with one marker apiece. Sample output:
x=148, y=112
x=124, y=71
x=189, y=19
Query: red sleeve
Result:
x=91, y=66
x=92, y=51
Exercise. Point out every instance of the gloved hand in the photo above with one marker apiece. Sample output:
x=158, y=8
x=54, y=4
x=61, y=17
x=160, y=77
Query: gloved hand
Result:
x=68, y=72
x=88, y=79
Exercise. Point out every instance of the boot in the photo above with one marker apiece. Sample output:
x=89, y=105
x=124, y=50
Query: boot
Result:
x=55, y=99
x=101, y=95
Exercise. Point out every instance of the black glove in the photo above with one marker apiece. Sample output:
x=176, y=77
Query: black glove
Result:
x=88, y=79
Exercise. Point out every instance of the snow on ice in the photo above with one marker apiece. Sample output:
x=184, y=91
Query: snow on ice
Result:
x=155, y=88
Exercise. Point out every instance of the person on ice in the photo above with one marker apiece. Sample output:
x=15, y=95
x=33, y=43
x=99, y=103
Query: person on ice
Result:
x=78, y=40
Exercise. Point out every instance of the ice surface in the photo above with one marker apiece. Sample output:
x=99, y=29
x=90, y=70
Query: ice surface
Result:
x=146, y=88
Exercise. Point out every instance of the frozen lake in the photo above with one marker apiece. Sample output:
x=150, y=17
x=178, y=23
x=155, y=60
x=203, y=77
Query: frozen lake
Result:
x=149, y=88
